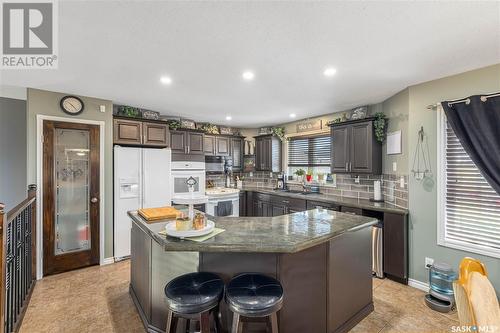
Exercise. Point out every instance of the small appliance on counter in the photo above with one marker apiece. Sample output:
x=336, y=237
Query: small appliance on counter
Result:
x=281, y=183
x=441, y=297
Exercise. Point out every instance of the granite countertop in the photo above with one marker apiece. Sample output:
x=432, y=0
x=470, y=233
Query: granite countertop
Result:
x=345, y=201
x=280, y=234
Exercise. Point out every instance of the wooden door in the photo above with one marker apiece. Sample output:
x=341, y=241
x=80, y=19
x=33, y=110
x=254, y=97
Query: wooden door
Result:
x=178, y=142
x=237, y=153
x=155, y=134
x=340, y=148
x=222, y=146
x=195, y=143
x=209, y=145
x=361, y=147
x=71, y=176
x=128, y=132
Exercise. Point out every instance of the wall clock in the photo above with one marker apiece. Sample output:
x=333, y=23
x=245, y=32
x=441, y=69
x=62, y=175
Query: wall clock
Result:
x=72, y=105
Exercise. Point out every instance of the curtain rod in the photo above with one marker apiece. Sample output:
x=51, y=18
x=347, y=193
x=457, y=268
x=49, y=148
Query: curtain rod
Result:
x=484, y=98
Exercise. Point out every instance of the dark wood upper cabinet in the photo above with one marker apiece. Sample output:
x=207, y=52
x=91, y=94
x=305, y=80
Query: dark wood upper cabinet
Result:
x=223, y=145
x=128, y=132
x=155, y=134
x=209, y=145
x=355, y=148
x=267, y=153
x=195, y=143
x=140, y=133
x=237, y=153
x=178, y=142
x=187, y=142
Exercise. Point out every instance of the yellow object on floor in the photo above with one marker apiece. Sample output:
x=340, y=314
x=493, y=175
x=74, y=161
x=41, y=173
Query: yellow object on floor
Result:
x=159, y=213
x=476, y=300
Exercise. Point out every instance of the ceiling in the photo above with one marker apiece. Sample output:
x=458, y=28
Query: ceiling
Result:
x=118, y=50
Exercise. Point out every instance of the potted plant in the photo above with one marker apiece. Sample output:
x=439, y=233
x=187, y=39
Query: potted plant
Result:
x=380, y=126
x=300, y=174
x=173, y=124
x=321, y=177
x=309, y=175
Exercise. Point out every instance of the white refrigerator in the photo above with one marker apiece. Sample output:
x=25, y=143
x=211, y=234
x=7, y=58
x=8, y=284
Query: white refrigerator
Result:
x=141, y=180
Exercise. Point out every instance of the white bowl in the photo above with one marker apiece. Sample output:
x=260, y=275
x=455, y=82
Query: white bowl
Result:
x=171, y=231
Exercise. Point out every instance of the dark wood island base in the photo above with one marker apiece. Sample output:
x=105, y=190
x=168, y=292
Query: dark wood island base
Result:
x=322, y=259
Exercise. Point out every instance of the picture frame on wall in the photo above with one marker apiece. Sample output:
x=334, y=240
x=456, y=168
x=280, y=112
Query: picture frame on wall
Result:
x=249, y=163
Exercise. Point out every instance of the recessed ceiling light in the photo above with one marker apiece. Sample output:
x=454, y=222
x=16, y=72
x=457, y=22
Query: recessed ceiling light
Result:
x=330, y=71
x=293, y=115
x=166, y=80
x=248, y=75
x=228, y=118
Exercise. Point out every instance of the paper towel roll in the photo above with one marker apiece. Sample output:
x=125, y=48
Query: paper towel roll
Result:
x=377, y=193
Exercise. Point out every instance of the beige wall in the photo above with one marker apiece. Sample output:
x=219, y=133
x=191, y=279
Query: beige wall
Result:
x=396, y=109
x=423, y=195
x=42, y=102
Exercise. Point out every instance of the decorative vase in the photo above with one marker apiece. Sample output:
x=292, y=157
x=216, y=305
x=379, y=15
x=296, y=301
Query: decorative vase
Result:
x=309, y=178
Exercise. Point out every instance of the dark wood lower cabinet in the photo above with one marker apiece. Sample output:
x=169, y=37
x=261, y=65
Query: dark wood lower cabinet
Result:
x=395, y=226
x=396, y=247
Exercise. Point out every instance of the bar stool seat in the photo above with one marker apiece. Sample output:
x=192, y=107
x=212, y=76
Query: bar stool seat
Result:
x=254, y=295
x=194, y=295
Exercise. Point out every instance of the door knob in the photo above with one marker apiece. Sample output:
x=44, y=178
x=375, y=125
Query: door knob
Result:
x=94, y=200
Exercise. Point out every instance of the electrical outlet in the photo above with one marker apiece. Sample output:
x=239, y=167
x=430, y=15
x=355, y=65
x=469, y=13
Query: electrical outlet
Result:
x=402, y=182
x=102, y=108
x=394, y=166
x=270, y=175
x=428, y=262
x=356, y=180
x=251, y=174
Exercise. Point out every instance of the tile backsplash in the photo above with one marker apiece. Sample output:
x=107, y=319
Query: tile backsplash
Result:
x=346, y=185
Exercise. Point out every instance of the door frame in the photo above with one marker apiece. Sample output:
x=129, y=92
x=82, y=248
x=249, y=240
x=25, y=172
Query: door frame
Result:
x=39, y=180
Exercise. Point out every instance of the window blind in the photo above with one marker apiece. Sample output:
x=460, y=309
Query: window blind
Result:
x=472, y=215
x=309, y=151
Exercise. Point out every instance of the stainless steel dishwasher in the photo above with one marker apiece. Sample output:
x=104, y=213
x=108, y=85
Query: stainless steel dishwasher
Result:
x=377, y=250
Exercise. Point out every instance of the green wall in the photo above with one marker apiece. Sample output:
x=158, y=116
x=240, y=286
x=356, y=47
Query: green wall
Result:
x=423, y=195
x=42, y=102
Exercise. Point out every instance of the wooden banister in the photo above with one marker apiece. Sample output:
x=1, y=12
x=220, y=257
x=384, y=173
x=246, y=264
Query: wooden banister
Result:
x=17, y=261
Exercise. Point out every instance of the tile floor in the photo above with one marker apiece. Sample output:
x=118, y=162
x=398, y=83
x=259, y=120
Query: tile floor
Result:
x=96, y=300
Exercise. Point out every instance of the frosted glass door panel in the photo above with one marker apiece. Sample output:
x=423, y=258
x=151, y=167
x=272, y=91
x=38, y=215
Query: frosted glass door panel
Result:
x=71, y=159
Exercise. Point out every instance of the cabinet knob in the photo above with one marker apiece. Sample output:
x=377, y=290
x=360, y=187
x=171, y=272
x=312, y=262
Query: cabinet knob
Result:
x=94, y=200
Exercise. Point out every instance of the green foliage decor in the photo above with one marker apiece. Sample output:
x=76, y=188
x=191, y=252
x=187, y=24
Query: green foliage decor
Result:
x=173, y=124
x=279, y=132
x=380, y=126
x=210, y=128
x=300, y=172
x=129, y=111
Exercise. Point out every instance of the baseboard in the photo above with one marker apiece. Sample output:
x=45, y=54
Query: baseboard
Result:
x=107, y=261
x=419, y=285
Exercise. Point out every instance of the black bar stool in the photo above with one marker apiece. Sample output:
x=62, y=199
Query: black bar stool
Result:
x=254, y=295
x=194, y=296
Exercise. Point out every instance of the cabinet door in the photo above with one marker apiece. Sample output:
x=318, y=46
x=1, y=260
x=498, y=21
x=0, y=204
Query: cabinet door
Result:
x=340, y=149
x=267, y=209
x=267, y=147
x=178, y=142
x=209, y=145
x=222, y=146
x=395, y=245
x=195, y=143
x=258, y=155
x=127, y=132
x=361, y=148
x=277, y=210
x=237, y=153
x=243, y=204
x=155, y=134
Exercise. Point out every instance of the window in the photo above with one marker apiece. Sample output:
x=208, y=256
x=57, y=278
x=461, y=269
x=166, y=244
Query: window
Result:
x=312, y=152
x=468, y=208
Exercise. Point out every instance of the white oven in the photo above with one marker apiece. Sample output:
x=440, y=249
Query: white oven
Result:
x=182, y=171
x=223, y=202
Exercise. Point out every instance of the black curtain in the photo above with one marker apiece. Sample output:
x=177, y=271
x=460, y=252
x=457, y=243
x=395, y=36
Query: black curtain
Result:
x=477, y=126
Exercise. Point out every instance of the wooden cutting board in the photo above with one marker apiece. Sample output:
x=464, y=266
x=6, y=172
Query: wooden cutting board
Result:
x=159, y=213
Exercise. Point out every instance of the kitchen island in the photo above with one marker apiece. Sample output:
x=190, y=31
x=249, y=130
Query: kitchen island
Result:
x=321, y=257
